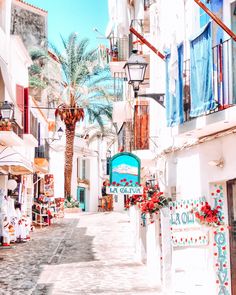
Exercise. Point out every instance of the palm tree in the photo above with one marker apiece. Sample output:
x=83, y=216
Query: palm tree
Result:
x=85, y=95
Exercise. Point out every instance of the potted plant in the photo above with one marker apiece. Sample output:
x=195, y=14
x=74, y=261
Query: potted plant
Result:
x=152, y=202
x=5, y=125
x=71, y=205
x=208, y=216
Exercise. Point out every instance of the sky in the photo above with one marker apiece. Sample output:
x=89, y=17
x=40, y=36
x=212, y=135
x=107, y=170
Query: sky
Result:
x=81, y=16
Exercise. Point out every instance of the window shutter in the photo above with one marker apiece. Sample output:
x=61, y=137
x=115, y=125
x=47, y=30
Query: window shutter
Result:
x=141, y=126
x=26, y=111
x=20, y=97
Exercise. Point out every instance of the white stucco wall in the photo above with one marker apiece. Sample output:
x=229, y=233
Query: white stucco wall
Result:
x=194, y=178
x=190, y=172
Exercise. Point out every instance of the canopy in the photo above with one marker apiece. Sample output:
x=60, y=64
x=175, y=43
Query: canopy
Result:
x=13, y=162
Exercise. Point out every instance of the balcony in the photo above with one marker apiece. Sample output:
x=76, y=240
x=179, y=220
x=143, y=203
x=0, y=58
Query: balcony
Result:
x=41, y=164
x=42, y=151
x=119, y=53
x=10, y=133
x=31, y=131
x=118, y=85
x=125, y=138
x=223, y=116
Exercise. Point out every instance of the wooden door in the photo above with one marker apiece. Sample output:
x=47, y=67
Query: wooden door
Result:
x=231, y=194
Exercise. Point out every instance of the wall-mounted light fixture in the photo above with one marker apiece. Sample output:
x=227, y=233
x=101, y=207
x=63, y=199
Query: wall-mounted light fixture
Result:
x=57, y=135
x=7, y=109
x=218, y=163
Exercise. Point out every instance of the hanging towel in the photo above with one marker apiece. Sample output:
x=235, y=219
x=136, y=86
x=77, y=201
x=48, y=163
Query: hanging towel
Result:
x=174, y=101
x=173, y=66
x=201, y=69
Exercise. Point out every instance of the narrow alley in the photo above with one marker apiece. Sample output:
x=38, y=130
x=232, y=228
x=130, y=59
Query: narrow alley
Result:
x=89, y=253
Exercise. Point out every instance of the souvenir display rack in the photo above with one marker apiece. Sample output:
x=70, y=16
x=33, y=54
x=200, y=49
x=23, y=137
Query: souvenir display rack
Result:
x=40, y=214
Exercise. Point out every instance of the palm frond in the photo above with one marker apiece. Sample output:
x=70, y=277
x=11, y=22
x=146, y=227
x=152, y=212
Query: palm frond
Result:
x=37, y=54
x=35, y=82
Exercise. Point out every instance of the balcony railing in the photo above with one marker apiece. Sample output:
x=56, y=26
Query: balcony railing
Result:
x=119, y=49
x=17, y=129
x=33, y=126
x=221, y=76
x=42, y=151
x=135, y=43
x=11, y=125
x=126, y=138
x=118, y=85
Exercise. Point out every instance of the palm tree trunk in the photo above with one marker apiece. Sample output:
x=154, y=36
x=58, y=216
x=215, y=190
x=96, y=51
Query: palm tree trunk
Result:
x=69, y=151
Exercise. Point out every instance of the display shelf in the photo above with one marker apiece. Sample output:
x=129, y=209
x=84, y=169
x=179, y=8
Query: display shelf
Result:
x=39, y=216
x=40, y=221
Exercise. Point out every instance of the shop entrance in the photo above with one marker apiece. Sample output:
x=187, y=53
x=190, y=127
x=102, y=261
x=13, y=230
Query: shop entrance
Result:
x=81, y=197
x=231, y=194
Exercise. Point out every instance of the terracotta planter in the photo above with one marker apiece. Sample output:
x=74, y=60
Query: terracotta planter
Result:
x=72, y=210
x=5, y=128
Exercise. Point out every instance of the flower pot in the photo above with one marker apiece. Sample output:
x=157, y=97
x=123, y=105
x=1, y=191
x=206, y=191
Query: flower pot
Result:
x=72, y=210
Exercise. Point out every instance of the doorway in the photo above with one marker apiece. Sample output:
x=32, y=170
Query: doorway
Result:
x=81, y=197
x=231, y=196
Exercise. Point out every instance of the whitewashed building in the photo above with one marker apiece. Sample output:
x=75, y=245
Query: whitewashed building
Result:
x=192, y=136
x=20, y=137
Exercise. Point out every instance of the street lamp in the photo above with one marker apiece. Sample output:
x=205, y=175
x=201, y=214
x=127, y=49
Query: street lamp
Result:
x=7, y=109
x=135, y=70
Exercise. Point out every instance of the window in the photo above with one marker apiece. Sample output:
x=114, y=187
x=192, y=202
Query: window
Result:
x=83, y=174
x=141, y=126
x=33, y=126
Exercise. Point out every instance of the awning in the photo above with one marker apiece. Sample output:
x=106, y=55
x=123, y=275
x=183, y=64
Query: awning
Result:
x=13, y=162
x=41, y=165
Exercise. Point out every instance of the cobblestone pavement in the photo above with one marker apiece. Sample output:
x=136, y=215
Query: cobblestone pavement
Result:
x=82, y=254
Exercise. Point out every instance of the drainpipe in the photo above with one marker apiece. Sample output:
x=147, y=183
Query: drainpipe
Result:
x=217, y=20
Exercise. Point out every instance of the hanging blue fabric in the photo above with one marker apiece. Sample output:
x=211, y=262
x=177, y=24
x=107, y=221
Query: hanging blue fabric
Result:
x=174, y=101
x=201, y=69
